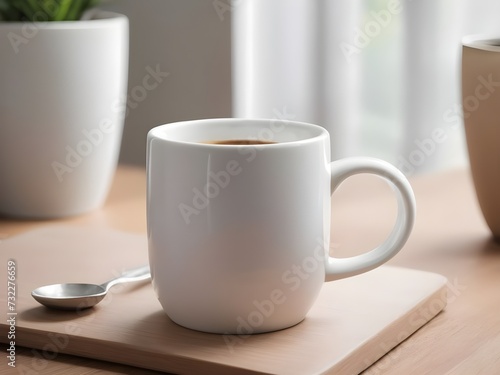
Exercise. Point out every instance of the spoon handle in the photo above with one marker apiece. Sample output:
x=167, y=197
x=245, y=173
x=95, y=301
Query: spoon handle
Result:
x=136, y=274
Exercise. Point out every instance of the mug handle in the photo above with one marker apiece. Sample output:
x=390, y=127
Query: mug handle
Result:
x=339, y=268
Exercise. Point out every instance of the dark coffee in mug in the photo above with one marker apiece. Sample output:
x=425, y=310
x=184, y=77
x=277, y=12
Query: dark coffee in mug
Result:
x=240, y=142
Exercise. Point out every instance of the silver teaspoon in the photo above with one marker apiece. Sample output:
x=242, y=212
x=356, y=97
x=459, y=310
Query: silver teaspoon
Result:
x=82, y=296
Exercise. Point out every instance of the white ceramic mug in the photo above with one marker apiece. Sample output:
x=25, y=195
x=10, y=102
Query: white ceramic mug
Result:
x=239, y=234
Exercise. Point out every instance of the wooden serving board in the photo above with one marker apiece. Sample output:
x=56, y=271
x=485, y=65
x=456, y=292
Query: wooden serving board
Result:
x=354, y=322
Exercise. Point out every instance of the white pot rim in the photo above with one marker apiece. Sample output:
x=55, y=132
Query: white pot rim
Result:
x=93, y=18
x=485, y=42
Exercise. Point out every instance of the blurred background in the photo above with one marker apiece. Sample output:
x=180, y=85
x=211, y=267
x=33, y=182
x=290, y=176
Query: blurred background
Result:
x=383, y=76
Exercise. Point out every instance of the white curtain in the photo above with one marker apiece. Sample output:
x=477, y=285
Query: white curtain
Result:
x=381, y=75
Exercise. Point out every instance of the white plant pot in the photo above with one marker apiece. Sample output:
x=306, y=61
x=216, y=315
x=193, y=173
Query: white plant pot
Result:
x=62, y=107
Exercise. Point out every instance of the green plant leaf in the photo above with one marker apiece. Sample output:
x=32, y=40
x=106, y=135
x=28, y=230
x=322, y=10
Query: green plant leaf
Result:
x=44, y=10
x=62, y=12
x=7, y=12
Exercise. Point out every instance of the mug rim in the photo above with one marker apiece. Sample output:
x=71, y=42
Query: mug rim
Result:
x=158, y=132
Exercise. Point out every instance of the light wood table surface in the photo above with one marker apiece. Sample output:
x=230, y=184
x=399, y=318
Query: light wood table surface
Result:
x=449, y=238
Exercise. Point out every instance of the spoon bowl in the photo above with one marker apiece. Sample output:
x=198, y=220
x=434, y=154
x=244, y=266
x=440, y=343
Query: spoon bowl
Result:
x=69, y=296
x=74, y=296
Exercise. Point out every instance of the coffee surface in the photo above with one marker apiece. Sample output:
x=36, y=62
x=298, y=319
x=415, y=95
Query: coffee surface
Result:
x=240, y=142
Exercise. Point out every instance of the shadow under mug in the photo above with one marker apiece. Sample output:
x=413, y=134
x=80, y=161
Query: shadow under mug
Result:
x=239, y=234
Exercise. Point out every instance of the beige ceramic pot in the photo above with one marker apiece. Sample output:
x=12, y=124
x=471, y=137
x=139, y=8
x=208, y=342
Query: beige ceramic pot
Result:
x=481, y=104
